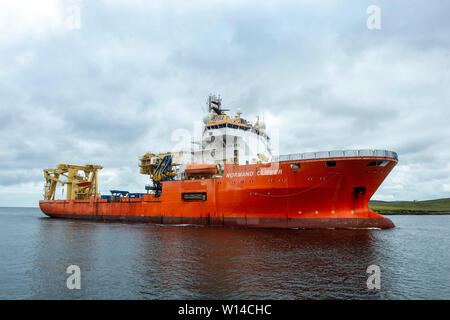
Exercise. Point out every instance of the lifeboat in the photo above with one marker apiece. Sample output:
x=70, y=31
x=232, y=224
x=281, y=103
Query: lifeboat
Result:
x=83, y=183
x=199, y=169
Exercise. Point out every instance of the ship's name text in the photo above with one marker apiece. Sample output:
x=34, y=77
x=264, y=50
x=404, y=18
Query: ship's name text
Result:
x=269, y=172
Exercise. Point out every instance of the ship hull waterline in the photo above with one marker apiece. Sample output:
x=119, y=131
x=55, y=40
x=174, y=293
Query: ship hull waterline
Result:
x=290, y=194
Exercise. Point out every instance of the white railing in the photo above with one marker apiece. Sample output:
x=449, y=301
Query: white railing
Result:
x=337, y=154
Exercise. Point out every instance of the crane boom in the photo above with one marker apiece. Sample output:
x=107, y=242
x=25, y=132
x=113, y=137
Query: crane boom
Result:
x=78, y=187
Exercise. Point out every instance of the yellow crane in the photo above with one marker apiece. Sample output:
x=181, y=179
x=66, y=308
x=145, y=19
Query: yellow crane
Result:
x=149, y=163
x=160, y=167
x=79, y=187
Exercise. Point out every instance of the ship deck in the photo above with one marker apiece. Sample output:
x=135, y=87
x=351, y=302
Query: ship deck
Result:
x=360, y=153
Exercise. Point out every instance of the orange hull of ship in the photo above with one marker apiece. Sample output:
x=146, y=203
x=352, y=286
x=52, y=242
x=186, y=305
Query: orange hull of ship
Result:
x=273, y=195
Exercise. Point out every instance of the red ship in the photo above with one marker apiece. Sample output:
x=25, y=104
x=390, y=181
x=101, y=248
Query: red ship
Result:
x=233, y=179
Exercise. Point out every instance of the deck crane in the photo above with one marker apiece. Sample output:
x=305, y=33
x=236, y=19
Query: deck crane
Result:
x=162, y=173
x=159, y=167
x=78, y=187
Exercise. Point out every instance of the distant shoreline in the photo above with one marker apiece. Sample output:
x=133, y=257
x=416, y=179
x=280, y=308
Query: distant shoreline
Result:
x=426, y=207
x=413, y=213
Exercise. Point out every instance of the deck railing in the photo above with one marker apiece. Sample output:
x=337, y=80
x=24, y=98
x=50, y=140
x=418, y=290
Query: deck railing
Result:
x=337, y=154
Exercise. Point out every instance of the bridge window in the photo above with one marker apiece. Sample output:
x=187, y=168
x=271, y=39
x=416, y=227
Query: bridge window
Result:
x=295, y=165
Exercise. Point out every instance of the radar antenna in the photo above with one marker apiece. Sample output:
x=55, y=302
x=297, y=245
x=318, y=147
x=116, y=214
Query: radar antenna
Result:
x=215, y=104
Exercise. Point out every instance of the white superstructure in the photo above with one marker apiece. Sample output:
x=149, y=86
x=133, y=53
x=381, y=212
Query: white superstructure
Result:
x=228, y=139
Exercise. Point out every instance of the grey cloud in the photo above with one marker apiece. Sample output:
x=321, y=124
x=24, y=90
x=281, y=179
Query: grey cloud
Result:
x=120, y=85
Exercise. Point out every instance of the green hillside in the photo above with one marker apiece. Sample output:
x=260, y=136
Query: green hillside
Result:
x=427, y=206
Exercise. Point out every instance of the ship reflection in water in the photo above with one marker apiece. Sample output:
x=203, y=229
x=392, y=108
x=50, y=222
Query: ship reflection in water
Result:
x=138, y=261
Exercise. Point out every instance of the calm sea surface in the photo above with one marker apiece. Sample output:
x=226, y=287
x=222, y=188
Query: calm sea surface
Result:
x=139, y=261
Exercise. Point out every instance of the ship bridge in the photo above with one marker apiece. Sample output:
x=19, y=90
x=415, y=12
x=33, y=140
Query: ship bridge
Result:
x=227, y=139
x=234, y=125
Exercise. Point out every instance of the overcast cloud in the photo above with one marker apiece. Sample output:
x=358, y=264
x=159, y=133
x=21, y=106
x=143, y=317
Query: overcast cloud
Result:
x=135, y=71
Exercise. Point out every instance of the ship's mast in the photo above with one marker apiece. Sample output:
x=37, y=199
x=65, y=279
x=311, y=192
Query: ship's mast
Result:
x=215, y=104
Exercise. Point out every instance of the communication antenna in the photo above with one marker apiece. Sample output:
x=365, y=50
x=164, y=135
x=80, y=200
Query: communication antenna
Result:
x=215, y=104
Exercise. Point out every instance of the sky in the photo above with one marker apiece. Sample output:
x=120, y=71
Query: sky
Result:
x=105, y=82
